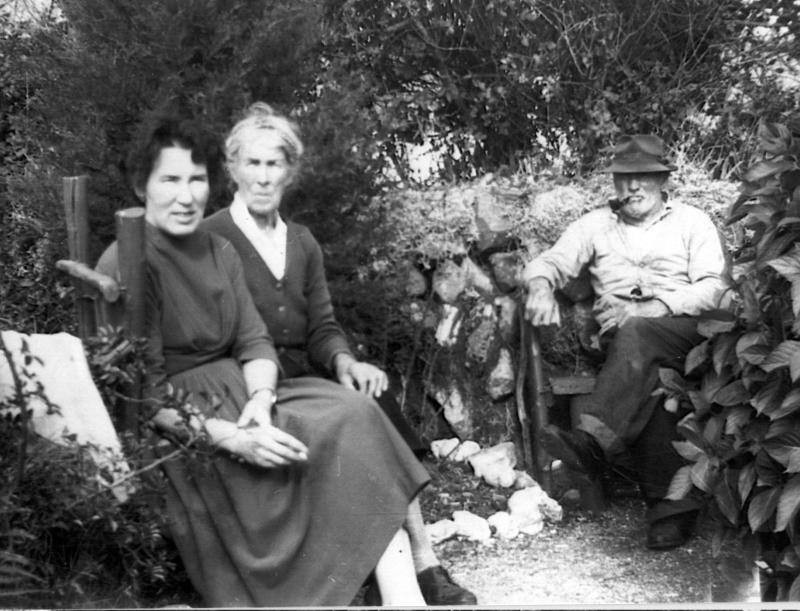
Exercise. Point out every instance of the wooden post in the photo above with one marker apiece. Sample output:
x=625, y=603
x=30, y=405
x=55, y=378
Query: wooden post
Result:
x=131, y=256
x=539, y=415
x=76, y=209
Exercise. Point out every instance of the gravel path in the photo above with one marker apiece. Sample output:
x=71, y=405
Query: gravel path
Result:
x=585, y=558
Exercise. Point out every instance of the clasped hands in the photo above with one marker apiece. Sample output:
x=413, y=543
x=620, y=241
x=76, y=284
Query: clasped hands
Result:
x=610, y=311
x=254, y=439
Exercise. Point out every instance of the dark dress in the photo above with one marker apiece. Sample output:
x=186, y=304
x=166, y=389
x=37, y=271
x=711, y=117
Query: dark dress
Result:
x=298, y=309
x=303, y=535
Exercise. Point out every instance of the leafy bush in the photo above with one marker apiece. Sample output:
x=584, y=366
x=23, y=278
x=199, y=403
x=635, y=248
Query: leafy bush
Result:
x=742, y=384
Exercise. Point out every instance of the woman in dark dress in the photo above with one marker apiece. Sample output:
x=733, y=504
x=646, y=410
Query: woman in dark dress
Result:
x=284, y=270
x=305, y=493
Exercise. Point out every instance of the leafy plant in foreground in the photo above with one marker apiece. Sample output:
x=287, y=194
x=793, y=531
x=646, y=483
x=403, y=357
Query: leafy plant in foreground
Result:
x=742, y=384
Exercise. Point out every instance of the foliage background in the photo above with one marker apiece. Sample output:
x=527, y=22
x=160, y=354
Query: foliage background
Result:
x=515, y=87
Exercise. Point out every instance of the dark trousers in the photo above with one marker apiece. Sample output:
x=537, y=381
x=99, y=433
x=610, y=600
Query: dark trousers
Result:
x=630, y=424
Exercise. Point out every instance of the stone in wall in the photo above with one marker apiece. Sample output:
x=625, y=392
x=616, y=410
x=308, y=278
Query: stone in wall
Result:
x=507, y=325
x=495, y=229
x=502, y=377
x=505, y=267
x=480, y=340
x=449, y=281
x=454, y=409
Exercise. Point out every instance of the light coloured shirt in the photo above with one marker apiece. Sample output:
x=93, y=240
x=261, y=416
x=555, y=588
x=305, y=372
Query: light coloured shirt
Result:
x=270, y=243
x=677, y=258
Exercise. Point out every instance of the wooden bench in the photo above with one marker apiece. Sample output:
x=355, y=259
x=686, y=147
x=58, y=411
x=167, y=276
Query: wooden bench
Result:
x=100, y=299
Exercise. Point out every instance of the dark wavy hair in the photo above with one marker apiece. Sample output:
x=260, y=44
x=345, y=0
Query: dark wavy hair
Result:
x=165, y=132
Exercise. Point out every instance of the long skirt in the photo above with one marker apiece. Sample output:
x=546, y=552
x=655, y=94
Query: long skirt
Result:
x=302, y=535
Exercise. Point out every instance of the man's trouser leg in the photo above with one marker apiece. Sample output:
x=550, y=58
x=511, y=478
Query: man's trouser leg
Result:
x=656, y=461
x=616, y=413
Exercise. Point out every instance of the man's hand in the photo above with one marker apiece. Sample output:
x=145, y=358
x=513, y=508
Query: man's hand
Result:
x=541, y=307
x=612, y=312
x=361, y=376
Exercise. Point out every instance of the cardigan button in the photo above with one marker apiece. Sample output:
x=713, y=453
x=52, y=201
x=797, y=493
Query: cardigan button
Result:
x=281, y=309
x=279, y=285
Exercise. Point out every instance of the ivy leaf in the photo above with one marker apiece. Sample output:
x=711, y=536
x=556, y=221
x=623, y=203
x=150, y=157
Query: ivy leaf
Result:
x=762, y=507
x=680, y=485
x=747, y=479
x=733, y=394
x=696, y=357
x=781, y=356
x=751, y=340
x=788, y=503
x=687, y=450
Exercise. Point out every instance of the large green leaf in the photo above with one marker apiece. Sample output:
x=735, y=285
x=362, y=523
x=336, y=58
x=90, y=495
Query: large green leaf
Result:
x=699, y=401
x=788, y=503
x=696, y=357
x=794, y=367
x=747, y=479
x=749, y=341
x=787, y=265
x=769, y=471
x=687, y=450
x=724, y=350
x=794, y=590
x=736, y=419
x=710, y=327
x=726, y=501
x=789, y=405
x=672, y=380
x=713, y=429
x=781, y=356
x=785, y=449
x=703, y=474
x=690, y=429
x=733, y=394
x=762, y=507
x=769, y=396
x=680, y=485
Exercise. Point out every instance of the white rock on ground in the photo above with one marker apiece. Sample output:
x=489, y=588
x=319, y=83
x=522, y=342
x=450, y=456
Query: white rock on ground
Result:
x=505, y=526
x=444, y=448
x=465, y=450
x=501, y=381
x=441, y=531
x=472, y=527
x=523, y=480
x=496, y=464
x=534, y=500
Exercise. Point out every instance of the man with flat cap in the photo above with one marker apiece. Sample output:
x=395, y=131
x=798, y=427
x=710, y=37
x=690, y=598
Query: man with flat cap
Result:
x=654, y=264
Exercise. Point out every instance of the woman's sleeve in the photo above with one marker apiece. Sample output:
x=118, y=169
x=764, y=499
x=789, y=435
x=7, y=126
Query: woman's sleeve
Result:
x=253, y=341
x=325, y=336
